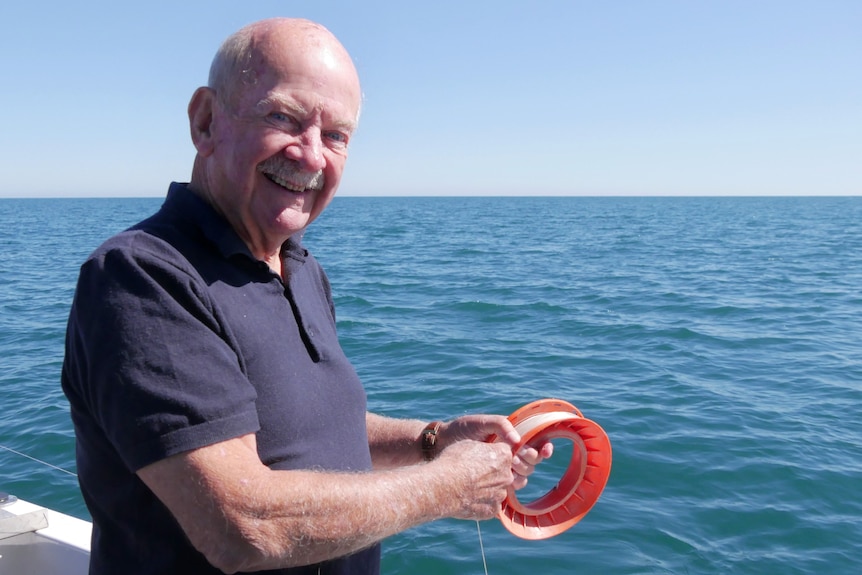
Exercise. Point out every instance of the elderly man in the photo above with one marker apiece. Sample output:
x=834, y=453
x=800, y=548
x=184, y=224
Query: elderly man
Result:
x=219, y=425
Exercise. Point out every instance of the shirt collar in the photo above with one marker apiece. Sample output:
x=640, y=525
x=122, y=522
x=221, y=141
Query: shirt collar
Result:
x=217, y=229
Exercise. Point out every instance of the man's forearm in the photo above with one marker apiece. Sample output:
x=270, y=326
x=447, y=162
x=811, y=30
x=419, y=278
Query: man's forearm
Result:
x=245, y=517
x=394, y=442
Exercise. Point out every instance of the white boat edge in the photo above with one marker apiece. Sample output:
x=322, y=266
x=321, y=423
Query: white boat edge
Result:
x=37, y=540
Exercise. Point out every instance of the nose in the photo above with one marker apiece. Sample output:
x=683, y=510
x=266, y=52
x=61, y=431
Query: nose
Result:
x=307, y=150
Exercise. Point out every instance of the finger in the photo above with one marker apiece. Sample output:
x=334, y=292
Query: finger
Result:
x=519, y=482
x=524, y=463
x=520, y=467
x=507, y=431
x=499, y=428
x=529, y=455
x=533, y=456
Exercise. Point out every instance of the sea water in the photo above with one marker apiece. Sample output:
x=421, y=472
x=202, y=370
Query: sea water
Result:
x=718, y=342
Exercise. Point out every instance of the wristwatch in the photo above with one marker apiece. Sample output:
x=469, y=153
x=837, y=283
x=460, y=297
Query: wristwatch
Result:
x=429, y=439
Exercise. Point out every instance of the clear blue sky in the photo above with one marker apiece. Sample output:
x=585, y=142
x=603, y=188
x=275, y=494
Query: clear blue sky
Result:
x=487, y=97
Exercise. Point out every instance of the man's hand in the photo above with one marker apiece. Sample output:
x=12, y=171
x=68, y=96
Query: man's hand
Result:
x=482, y=427
x=477, y=476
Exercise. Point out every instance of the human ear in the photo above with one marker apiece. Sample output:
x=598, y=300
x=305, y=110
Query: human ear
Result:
x=201, y=120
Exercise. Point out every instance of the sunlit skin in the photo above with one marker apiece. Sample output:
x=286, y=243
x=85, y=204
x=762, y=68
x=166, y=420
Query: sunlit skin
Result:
x=300, y=110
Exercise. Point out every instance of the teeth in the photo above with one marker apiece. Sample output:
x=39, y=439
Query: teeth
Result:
x=285, y=184
x=290, y=178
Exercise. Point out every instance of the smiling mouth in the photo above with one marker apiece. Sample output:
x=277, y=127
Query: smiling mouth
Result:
x=284, y=183
x=295, y=181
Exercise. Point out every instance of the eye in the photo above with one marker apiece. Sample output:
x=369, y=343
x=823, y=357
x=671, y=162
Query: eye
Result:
x=282, y=120
x=336, y=139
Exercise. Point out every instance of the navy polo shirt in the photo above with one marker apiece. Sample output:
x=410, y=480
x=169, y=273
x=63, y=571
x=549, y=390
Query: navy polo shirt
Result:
x=179, y=338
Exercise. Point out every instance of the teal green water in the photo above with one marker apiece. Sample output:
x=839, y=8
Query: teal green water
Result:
x=718, y=341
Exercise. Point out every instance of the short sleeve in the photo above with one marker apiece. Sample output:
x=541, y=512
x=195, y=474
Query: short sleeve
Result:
x=150, y=356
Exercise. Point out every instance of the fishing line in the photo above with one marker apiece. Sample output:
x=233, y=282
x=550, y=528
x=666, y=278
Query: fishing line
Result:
x=38, y=460
x=482, y=547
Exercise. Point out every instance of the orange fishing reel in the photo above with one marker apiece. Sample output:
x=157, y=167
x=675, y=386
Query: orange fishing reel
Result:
x=583, y=481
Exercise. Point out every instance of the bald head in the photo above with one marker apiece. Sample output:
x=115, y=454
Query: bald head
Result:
x=276, y=43
x=272, y=129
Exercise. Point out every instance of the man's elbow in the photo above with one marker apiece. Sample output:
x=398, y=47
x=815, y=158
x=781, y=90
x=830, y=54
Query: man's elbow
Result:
x=244, y=549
